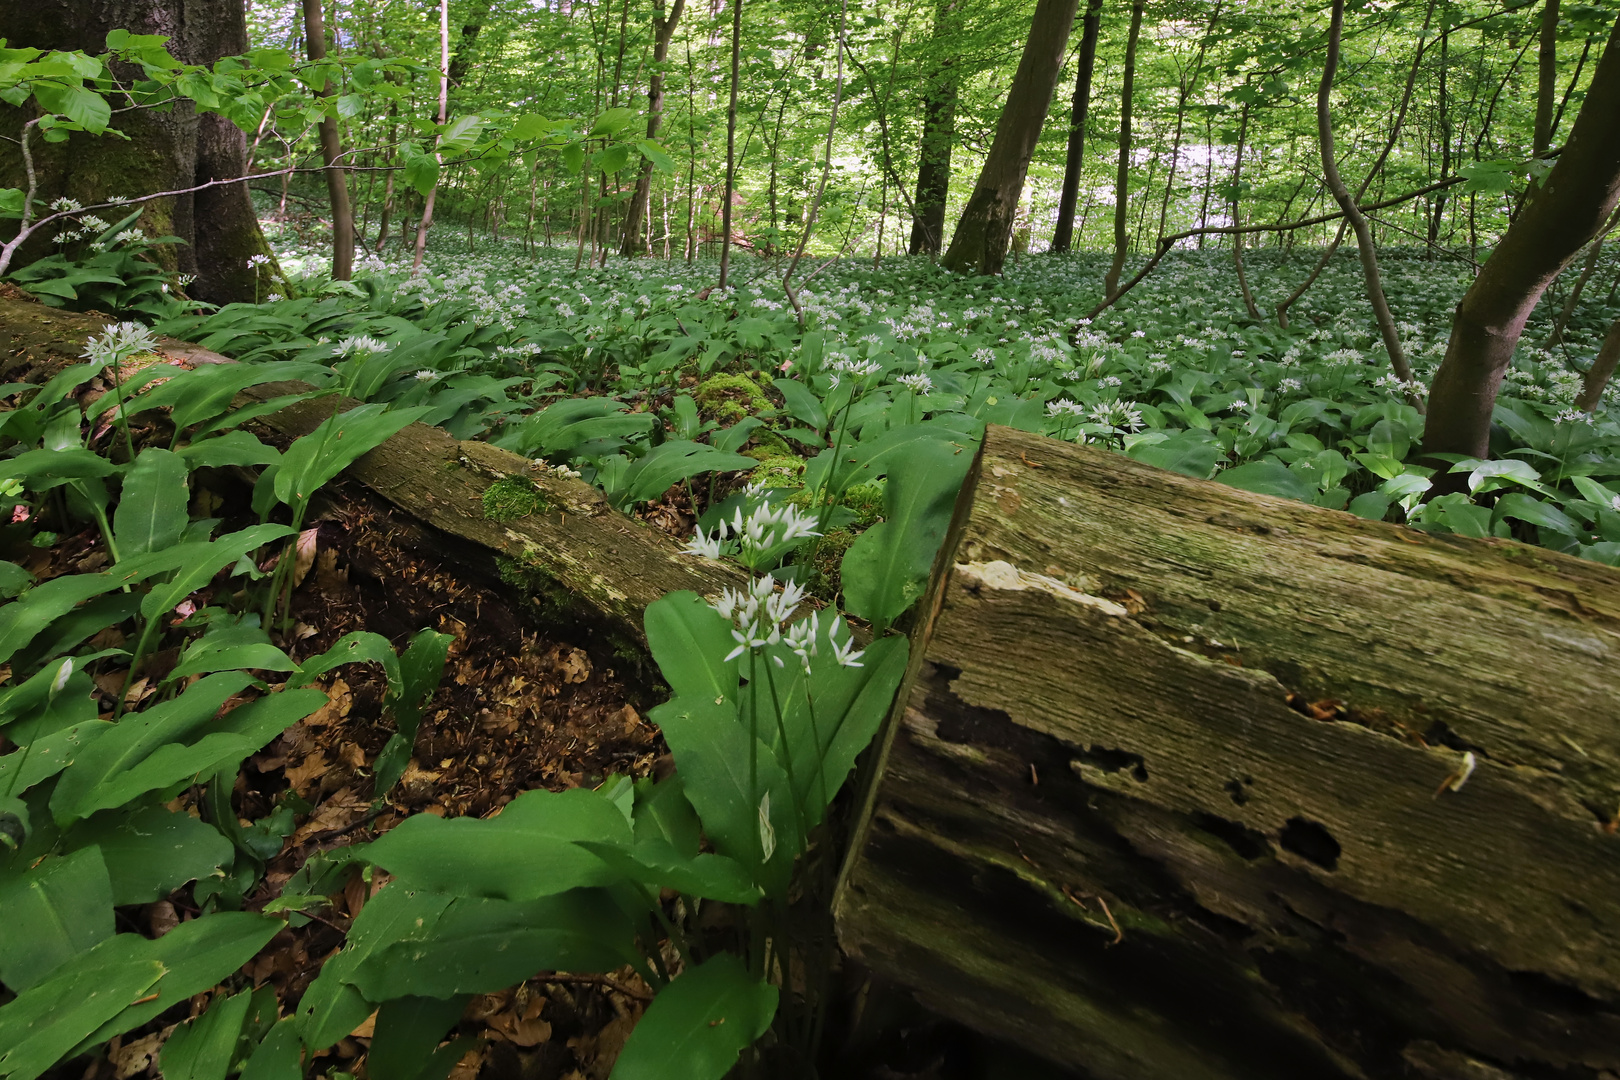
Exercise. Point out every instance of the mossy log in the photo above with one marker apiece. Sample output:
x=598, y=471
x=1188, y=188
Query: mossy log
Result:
x=1192, y=783
x=577, y=557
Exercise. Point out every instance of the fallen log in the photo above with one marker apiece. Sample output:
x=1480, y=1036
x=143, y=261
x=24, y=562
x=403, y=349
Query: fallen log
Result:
x=1190, y=782
x=576, y=558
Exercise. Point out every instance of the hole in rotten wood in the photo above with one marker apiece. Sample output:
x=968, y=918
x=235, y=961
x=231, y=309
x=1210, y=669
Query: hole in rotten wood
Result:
x=1247, y=842
x=1111, y=760
x=1310, y=840
x=1234, y=788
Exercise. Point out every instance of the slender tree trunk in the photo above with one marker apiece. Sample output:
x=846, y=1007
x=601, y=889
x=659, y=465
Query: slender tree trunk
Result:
x=444, y=112
x=938, y=137
x=1592, y=255
x=1347, y=203
x=1546, y=77
x=1601, y=371
x=1183, y=90
x=731, y=142
x=1122, y=176
x=1575, y=198
x=1237, y=238
x=1063, y=231
x=826, y=168
x=985, y=229
x=337, y=184
x=663, y=32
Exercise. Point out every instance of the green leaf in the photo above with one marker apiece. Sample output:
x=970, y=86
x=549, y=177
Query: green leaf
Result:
x=479, y=946
x=42, y=605
x=712, y=753
x=316, y=458
x=44, y=1024
x=526, y=851
x=421, y=172
x=236, y=648
x=408, y=1031
x=420, y=669
x=231, y=448
x=279, y=1056
x=614, y=158
x=1189, y=453
x=152, y=509
x=150, y=851
x=668, y=463
x=801, y=403
x=56, y=465
x=656, y=154
x=195, y=956
x=198, y=562
x=13, y=579
x=887, y=567
x=202, y=1049
x=689, y=639
x=696, y=1028
x=1372, y=505
x=1268, y=478
x=1516, y=504
x=54, y=910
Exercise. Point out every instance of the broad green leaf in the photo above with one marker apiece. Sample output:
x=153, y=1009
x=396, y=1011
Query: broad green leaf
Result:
x=420, y=668
x=1267, y=478
x=231, y=448
x=13, y=579
x=408, y=1031
x=150, y=851
x=54, y=910
x=236, y=648
x=669, y=463
x=195, y=956
x=801, y=403
x=1185, y=452
x=713, y=754
x=698, y=1025
x=199, y=562
x=1516, y=504
x=317, y=457
x=278, y=1056
x=42, y=605
x=887, y=567
x=45, y=1023
x=152, y=508
x=479, y=946
x=55, y=465
x=202, y=1049
x=527, y=851
x=689, y=639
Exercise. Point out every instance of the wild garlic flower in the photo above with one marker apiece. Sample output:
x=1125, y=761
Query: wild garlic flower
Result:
x=360, y=343
x=426, y=375
x=256, y=261
x=918, y=383
x=1117, y=414
x=758, y=613
x=1063, y=407
x=1573, y=416
x=119, y=340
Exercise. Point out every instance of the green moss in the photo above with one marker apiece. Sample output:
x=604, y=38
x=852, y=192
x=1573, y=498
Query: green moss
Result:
x=512, y=498
x=825, y=557
x=866, y=500
x=531, y=577
x=776, y=470
x=731, y=397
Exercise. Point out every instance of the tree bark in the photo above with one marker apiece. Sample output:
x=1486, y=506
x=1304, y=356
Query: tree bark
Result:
x=337, y=184
x=731, y=142
x=1560, y=323
x=1122, y=174
x=1358, y=220
x=1177, y=787
x=1073, y=165
x=1546, y=77
x=938, y=137
x=426, y=221
x=1601, y=371
x=635, y=242
x=1576, y=196
x=985, y=230
x=162, y=151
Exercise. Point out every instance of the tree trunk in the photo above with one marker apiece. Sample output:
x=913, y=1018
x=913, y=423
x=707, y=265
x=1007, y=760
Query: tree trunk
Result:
x=163, y=151
x=663, y=31
x=1546, y=77
x=938, y=138
x=1236, y=212
x=1073, y=165
x=426, y=221
x=1575, y=197
x=1122, y=176
x=985, y=229
x=1352, y=212
x=1601, y=371
x=731, y=142
x=1190, y=782
x=337, y=184
x=1593, y=254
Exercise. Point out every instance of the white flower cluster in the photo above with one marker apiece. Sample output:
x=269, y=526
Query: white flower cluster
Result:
x=759, y=615
x=756, y=537
x=119, y=340
x=1117, y=414
x=361, y=343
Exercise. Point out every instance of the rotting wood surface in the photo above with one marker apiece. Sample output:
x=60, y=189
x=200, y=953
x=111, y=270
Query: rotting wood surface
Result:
x=578, y=558
x=1162, y=795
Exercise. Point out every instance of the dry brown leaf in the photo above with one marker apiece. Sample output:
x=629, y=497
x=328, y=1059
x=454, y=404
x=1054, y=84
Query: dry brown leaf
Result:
x=574, y=665
x=328, y=577
x=340, y=810
x=134, y=1058
x=339, y=700
x=304, y=555
x=303, y=776
x=367, y=1026
x=351, y=755
x=469, y=1065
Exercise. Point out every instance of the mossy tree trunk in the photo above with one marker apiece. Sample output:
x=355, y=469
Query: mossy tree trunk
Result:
x=1190, y=782
x=938, y=136
x=163, y=151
